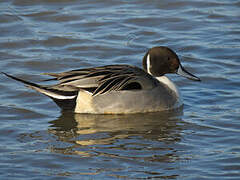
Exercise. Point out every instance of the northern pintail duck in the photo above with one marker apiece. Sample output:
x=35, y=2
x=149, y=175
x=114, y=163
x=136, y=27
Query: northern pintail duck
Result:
x=118, y=89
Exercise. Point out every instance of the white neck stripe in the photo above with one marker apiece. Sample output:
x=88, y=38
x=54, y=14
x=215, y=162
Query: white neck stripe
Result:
x=148, y=64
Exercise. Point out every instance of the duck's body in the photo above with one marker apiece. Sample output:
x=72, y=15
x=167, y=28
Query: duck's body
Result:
x=158, y=98
x=118, y=89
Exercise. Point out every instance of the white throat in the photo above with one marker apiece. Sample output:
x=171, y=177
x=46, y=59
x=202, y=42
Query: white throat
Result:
x=165, y=80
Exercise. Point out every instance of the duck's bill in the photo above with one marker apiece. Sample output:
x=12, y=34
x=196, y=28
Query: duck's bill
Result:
x=182, y=72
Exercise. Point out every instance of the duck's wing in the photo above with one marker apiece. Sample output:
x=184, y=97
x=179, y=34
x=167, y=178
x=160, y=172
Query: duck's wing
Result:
x=103, y=79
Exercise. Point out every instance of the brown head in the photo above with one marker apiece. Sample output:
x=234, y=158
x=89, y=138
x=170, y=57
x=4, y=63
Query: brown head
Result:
x=162, y=60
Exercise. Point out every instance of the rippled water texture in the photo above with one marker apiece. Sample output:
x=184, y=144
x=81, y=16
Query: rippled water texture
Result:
x=200, y=141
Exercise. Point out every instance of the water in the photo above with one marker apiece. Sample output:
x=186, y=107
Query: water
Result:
x=200, y=141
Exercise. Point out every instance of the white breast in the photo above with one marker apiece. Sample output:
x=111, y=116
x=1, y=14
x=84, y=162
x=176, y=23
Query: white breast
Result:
x=165, y=80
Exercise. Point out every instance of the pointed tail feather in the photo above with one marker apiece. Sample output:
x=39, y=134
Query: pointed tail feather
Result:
x=23, y=81
x=52, y=93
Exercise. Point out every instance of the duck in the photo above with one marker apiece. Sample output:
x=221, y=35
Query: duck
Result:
x=120, y=88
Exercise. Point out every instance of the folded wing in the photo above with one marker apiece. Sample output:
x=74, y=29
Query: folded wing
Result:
x=106, y=78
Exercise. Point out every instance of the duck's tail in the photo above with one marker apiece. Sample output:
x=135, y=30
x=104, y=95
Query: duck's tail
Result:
x=64, y=99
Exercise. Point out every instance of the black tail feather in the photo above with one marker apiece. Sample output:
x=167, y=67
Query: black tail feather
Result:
x=65, y=104
x=21, y=80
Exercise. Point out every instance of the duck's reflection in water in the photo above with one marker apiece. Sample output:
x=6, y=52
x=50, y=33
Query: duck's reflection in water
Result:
x=137, y=135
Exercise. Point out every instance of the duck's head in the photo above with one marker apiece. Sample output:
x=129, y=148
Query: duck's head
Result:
x=162, y=60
